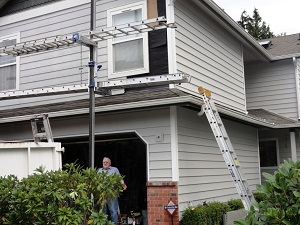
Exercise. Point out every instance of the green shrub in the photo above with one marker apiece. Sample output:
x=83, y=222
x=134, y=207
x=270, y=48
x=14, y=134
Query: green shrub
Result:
x=281, y=205
x=7, y=184
x=259, y=196
x=235, y=204
x=58, y=197
x=209, y=214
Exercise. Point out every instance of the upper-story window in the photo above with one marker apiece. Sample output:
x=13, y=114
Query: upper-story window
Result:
x=8, y=65
x=127, y=55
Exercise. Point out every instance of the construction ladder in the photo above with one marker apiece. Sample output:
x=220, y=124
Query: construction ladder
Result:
x=226, y=148
x=87, y=39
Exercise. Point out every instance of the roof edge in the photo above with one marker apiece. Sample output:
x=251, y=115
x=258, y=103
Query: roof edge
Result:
x=195, y=100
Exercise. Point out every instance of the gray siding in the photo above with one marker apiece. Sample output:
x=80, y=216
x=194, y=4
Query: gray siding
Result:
x=60, y=67
x=297, y=71
x=284, y=144
x=51, y=68
x=203, y=173
x=210, y=55
x=272, y=86
x=147, y=124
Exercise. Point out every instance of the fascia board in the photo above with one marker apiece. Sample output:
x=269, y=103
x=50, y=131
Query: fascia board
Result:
x=290, y=56
x=156, y=102
x=123, y=106
x=245, y=117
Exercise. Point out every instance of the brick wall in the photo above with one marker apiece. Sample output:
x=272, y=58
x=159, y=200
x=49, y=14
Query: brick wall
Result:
x=158, y=196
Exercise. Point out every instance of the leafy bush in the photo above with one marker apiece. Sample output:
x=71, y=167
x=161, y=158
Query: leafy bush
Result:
x=259, y=196
x=58, y=197
x=209, y=214
x=7, y=185
x=281, y=205
x=235, y=204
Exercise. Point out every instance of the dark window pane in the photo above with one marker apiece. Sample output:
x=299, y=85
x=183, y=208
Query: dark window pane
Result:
x=268, y=153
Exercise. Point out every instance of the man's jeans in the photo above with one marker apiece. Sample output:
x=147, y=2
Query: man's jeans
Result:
x=113, y=207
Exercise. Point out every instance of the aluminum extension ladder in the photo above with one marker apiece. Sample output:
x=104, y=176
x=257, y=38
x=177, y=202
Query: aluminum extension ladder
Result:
x=226, y=148
x=87, y=39
x=41, y=129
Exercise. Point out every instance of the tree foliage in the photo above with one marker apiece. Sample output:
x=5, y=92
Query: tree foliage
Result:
x=282, y=198
x=73, y=196
x=255, y=26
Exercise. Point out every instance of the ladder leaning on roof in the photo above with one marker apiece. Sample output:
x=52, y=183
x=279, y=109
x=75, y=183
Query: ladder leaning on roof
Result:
x=226, y=148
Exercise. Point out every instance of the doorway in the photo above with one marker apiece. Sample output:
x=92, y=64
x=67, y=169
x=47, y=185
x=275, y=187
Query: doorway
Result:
x=127, y=152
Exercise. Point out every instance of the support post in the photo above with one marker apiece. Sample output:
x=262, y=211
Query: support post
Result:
x=293, y=144
x=92, y=91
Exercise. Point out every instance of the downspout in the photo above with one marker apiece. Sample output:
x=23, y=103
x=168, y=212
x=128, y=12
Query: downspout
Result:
x=293, y=132
x=297, y=86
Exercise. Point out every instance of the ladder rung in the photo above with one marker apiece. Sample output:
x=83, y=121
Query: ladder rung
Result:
x=41, y=135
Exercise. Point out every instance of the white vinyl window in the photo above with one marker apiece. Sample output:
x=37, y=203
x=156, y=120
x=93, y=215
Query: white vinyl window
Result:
x=8, y=65
x=127, y=55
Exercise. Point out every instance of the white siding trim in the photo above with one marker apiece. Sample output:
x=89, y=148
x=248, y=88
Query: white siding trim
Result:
x=28, y=159
x=297, y=80
x=144, y=37
x=40, y=11
x=258, y=156
x=147, y=154
x=16, y=36
x=293, y=145
x=171, y=38
x=243, y=70
x=174, y=143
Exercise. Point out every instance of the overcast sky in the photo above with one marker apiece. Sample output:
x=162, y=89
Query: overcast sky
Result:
x=281, y=15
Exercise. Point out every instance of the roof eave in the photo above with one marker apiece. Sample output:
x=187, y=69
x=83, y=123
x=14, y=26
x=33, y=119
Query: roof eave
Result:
x=282, y=57
x=253, y=120
x=156, y=102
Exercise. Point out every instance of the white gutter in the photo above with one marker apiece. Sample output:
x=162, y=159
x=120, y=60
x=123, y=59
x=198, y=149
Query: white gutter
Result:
x=295, y=61
x=253, y=120
x=194, y=100
x=122, y=106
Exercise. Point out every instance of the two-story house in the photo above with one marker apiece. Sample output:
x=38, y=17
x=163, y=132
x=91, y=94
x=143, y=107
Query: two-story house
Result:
x=152, y=134
x=274, y=88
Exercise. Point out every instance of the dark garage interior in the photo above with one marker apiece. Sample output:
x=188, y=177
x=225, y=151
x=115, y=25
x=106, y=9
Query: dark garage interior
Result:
x=127, y=152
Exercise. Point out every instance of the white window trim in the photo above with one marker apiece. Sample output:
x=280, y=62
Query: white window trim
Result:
x=17, y=63
x=114, y=11
x=277, y=153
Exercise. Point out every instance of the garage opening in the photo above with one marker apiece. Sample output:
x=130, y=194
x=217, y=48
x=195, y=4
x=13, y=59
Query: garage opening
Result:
x=127, y=152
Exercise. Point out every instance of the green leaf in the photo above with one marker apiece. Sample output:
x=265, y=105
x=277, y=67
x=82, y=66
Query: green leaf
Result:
x=241, y=222
x=268, y=177
x=297, y=194
x=286, y=222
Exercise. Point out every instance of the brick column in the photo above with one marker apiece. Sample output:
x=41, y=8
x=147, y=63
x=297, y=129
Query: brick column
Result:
x=158, y=196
